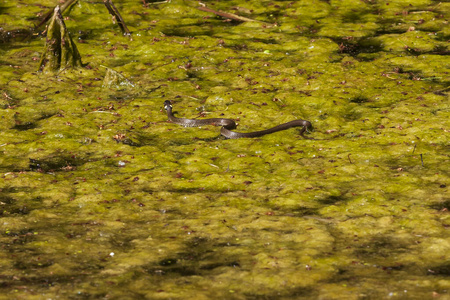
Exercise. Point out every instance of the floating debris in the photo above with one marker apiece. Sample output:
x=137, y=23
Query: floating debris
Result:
x=114, y=79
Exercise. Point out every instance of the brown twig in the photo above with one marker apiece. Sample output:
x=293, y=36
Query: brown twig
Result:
x=349, y=158
x=116, y=16
x=229, y=15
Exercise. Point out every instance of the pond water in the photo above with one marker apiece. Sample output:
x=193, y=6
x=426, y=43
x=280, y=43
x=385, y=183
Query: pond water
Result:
x=102, y=197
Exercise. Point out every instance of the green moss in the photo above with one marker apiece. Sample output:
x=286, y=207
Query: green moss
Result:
x=102, y=197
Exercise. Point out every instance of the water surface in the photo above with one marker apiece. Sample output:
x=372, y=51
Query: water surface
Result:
x=101, y=197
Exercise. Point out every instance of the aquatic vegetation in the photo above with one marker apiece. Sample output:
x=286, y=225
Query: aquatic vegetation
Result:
x=102, y=197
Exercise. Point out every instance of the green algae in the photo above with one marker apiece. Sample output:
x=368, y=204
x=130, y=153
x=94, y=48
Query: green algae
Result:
x=102, y=197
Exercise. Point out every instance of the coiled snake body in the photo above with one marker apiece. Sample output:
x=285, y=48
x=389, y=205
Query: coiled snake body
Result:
x=228, y=125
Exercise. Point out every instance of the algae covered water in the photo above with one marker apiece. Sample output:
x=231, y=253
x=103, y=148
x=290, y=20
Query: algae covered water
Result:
x=102, y=197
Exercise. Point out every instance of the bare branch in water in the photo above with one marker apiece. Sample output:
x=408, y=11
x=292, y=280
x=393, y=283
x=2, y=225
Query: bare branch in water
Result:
x=116, y=16
x=229, y=15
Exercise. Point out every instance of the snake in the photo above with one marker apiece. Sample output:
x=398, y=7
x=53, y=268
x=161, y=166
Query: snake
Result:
x=228, y=125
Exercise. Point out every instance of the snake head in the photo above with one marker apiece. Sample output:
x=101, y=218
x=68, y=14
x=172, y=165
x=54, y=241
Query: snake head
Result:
x=308, y=126
x=167, y=105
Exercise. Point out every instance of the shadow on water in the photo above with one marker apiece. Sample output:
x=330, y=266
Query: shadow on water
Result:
x=187, y=31
x=17, y=206
x=441, y=206
x=332, y=200
x=295, y=293
x=200, y=256
x=134, y=139
x=23, y=126
x=203, y=257
x=439, y=270
x=356, y=46
x=55, y=163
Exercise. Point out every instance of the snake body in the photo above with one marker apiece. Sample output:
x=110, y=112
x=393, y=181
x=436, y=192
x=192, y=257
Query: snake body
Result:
x=228, y=125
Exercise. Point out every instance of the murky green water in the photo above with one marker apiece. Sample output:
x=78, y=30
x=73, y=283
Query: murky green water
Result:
x=101, y=197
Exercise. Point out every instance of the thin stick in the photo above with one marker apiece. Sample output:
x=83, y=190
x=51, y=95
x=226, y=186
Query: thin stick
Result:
x=414, y=148
x=349, y=158
x=154, y=3
x=421, y=158
x=229, y=15
x=116, y=15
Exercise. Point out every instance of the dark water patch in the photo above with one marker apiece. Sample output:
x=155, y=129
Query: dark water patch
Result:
x=85, y=295
x=227, y=244
x=380, y=248
x=83, y=35
x=352, y=116
x=355, y=46
x=21, y=210
x=32, y=124
x=5, y=200
x=417, y=75
x=32, y=264
x=202, y=190
x=323, y=116
x=357, y=268
x=286, y=293
x=201, y=256
x=12, y=206
x=332, y=200
x=133, y=140
x=198, y=242
x=237, y=46
x=441, y=50
x=13, y=189
x=22, y=281
x=18, y=238
x=9, y=36
x=140, y=140
x=440, y=270
x=212, y=266
x=354, y=16
x=182, y=191
x=309, y=31
x=175, y=142
x=55, y=163
x=171, y=266
x=172, y=270
x=302, y=211
x=167, y=262
x=25, y=126
x=388, y=27
x=189, y=31
x=359, y=99
x=442, y=205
